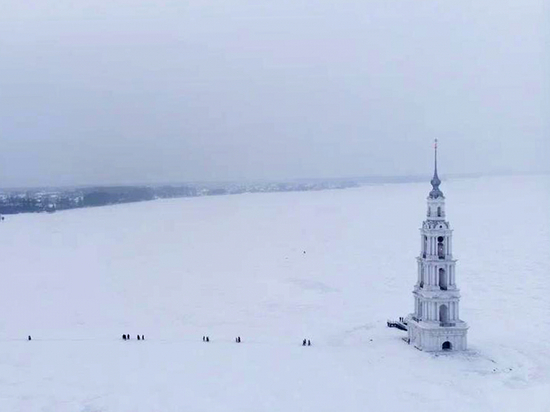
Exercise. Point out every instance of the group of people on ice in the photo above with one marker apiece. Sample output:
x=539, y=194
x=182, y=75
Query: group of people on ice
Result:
x=207, y=339
x=305, y=342
x=127, y=337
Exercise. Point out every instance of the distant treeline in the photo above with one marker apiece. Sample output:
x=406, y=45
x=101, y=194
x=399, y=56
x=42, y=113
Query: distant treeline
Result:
x=37, y=201
x=114, y=195
x=28, y=204
x=51, y=200
x=13, y=205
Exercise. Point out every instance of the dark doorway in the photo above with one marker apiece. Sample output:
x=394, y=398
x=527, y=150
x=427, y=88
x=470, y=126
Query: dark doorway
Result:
x=447, y=346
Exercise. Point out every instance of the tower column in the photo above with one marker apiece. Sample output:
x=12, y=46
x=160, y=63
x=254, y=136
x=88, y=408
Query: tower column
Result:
x=452, y=311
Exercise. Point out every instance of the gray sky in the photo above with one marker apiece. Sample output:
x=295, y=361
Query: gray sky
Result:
x=135, y=91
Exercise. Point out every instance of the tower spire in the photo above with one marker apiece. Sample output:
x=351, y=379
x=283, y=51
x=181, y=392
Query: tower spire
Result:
x=435, y=156
x=436, y=192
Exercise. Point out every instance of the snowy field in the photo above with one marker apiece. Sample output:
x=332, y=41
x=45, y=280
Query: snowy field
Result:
x=175, y=270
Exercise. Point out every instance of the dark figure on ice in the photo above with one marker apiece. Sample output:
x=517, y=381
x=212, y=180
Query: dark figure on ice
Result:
x=128, y=336
x=239, y=339
x=29, y=338
x=204, y=338
x=308, y=342
x=142, y=337
x=207, y=339
x=123, y=337
x=304, y=342
x=138, y=337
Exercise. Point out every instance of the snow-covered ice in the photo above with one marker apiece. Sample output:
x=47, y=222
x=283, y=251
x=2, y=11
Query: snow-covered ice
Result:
x=175, y=270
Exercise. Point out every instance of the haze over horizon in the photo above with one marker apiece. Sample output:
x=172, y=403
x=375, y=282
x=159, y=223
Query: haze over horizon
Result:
x=136, y=92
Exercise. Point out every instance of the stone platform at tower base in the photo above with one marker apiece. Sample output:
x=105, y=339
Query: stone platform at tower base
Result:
x=430, y=336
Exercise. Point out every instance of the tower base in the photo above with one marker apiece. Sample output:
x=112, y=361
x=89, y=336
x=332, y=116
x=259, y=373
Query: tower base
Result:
x=431, y=336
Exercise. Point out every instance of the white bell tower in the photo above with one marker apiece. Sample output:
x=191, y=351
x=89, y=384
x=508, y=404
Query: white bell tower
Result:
x=435, y=324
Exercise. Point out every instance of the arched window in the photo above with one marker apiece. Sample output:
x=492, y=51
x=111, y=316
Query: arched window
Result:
x=443, y=314
x=442, y=279
x=439, y=211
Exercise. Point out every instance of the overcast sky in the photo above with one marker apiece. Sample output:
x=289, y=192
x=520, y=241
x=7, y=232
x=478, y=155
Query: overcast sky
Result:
x=135, y=91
